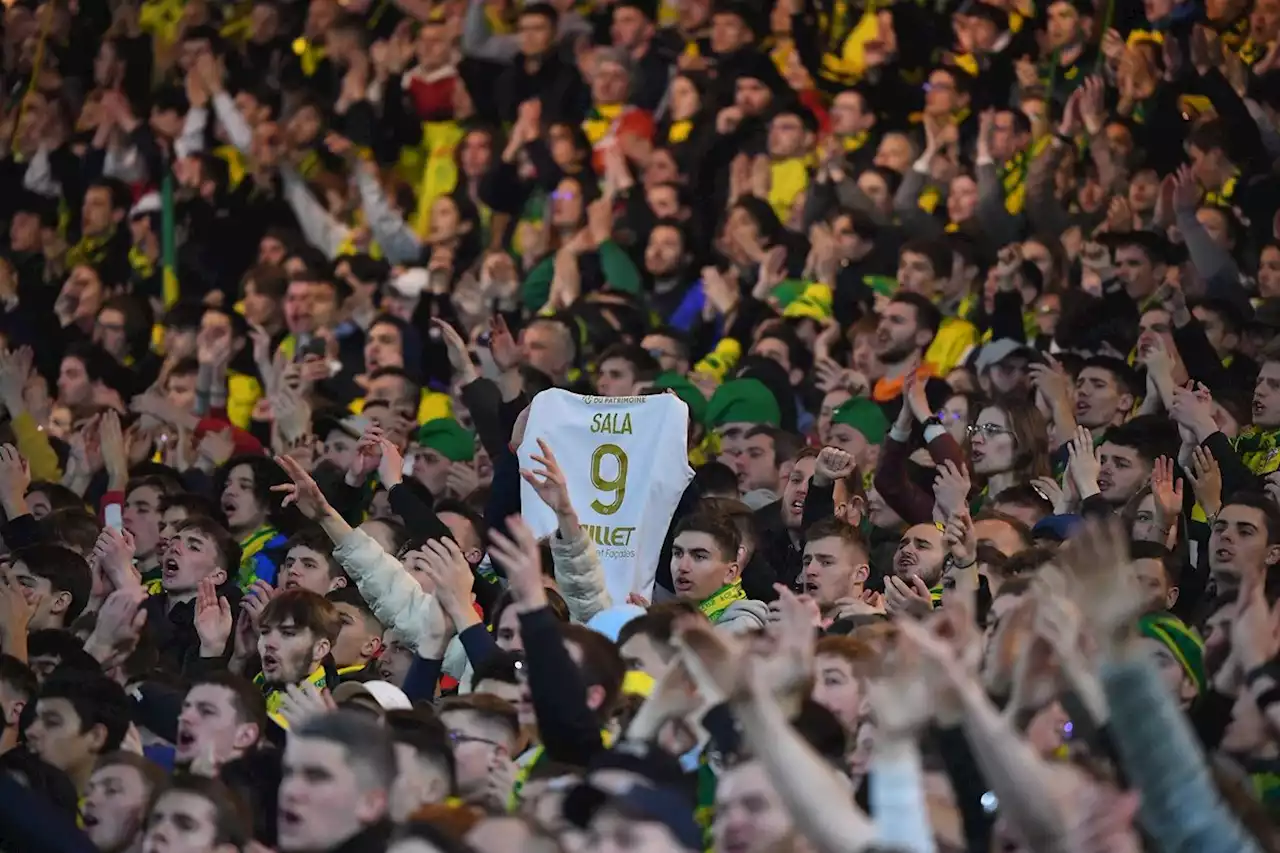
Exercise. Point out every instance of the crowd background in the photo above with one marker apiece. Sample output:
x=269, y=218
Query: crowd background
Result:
x=973, y=309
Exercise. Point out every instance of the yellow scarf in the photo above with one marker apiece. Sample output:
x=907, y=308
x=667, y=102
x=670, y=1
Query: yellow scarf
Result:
x=275, y=696
x=715, y=606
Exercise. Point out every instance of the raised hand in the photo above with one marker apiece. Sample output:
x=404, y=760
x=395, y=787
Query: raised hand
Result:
x=304, y=702
x=951, y=489
x=368, y=456
x=390, y=464
x=549, y=481
x=120, y=621
x=114, y=552
x=464, y=370
x=15, y=479
x=302, y=492
x=1206, y=480
x=960, y=539
x=907, y=599
x=521, y=558
x=445, y=564
x=214, y=448
x=1082, y=464
x=832, y=465
x=115, y=453
x=1166, y=490
x=1101, y=579
x=213, y=620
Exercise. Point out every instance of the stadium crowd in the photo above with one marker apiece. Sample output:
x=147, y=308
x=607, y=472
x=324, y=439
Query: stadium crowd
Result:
x=972, y=544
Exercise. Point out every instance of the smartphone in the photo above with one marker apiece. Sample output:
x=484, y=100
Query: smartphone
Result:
x=315, y=346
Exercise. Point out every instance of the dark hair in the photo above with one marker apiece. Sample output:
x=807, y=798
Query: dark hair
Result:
x=643, y=365
x=312, y=537
x=366, y=742
x=151, y=774
x=714, y=478
x=306, y=609
x=555, y=602
x=266, y=473
x=195, y=505
x=76, y=528
x=228, y=548
x=488, y=709
x=927, y=314
x=786, y=445
x=18, y=677
x=64, y=569
x=1152, y=436
x=60, y=497
x=351, y=596
x=97, y=700
x=798, y=353
x=545, y=10
x=247, y=700
x=938, y=252
x=268, y=280
x=499, y=666
x=1141, y=549
x=421, y=729
x=475, y=519
x=232, y=822
x=1121, y=373
x=1262, y=503
x=395, y=527
x=657, y=623
x=162, y=484
x=718, y=528
x=741, y=516
x=1019, y=527
x=63, y=645
x=1024, y=495
x=601, y=664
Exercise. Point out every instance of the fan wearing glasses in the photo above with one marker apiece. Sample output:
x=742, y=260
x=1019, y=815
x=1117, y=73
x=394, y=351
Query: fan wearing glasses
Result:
x=1008, y=445
x=483, y=730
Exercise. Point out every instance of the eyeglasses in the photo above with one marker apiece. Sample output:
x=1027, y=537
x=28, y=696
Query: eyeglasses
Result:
x=987, y=430
x=944, y=416
x=459, y=738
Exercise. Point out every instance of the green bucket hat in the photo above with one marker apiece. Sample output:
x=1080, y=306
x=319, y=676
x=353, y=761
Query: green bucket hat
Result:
x=686, y=391
x=448, y=438
x=1182, y=642
x=747, y=401
x=863, y=415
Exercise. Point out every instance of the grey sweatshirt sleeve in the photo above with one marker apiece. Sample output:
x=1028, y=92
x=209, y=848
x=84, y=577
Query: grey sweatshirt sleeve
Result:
x=398, y=242
x=1181, y=809
x=1213, y=263
x=849, y=195
x=318, y=226
x=999, y=227
x=906, y=204
x=238, y=130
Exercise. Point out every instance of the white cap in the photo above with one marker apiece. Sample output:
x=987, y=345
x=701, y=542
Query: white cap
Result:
x=410, y=283
x=387, y=695
x=149, y=203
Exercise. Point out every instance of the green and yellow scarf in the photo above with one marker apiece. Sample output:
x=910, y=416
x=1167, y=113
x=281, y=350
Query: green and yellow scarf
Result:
x=1258, y=449
x=715, y=606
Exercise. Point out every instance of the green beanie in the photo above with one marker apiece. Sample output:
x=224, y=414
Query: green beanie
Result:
x=863, y=415
x=685, y=390
x=743, y=401
x=448, y=438
x=1182, y=642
